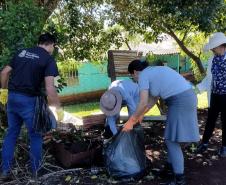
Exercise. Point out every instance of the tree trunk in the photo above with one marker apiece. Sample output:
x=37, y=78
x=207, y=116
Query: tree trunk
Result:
x=127, y=44
x=189, y=53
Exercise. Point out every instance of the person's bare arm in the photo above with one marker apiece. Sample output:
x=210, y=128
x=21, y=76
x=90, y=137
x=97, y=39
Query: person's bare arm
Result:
x=143, y=103
x=51, y=91
x=142, y=106
x=5, y=76
x=152, y=101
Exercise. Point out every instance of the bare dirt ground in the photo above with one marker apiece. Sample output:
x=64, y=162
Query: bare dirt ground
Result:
x=206, y=169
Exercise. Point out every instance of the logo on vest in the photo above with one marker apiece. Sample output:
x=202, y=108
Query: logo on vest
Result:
x=22, y=53
x=29, y=55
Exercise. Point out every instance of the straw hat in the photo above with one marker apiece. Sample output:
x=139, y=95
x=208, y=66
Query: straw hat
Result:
x=215, y=40
x=110, y=102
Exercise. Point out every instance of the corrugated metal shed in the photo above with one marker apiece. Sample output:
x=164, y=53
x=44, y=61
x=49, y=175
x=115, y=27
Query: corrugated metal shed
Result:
x=163, y=51
x=166, y=47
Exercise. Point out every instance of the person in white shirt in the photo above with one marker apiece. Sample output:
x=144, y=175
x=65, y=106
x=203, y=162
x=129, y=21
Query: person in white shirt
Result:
x=120, y=93
x=215, y=85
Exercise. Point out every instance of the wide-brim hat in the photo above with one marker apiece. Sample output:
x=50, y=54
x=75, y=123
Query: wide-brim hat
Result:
x=215, y=40
x=111, y=102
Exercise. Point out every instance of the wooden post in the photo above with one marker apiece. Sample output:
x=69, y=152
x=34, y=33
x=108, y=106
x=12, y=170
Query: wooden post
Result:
x=111, y=66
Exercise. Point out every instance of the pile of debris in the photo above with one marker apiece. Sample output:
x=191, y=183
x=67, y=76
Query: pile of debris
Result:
x=85, y=122
x=75, y=147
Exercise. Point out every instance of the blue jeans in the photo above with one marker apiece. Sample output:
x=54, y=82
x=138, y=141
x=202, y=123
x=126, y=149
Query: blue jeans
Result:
x=20, y=109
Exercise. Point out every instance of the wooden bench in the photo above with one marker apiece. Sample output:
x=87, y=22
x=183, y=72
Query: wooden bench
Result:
x=118, y=61
x=147, y=118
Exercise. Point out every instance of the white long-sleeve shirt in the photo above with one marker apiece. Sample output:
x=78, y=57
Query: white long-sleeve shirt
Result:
x=206, y=83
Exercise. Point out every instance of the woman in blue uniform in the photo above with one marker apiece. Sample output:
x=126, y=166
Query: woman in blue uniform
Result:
x=181, y=125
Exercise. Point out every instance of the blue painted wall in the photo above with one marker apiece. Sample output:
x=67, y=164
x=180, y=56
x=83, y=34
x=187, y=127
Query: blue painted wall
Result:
x=91, y=77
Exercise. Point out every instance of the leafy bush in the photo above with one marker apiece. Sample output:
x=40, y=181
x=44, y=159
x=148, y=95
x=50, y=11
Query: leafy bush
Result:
x=20, y=25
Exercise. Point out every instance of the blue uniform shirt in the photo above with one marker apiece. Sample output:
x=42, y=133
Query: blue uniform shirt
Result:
x=219, y=74
x=162, y=81
x=130, y=97
x=30, y=67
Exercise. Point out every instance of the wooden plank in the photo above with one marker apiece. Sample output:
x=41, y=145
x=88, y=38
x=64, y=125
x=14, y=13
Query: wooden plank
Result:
x=122, y=74
x=81, y=97
x=122, y=63
x=120, y=68
x=124, y=51
x=147, y=118
x=125, y=57
x=118, y=61
x=91, y=120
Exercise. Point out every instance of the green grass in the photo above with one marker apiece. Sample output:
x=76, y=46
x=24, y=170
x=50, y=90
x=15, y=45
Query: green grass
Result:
x=86, y=109
x=83, y=109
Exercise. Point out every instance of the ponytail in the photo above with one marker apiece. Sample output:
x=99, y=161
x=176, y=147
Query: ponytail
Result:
x=137, y=65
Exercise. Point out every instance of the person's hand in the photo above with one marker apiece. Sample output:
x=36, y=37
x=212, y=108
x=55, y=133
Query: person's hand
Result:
x=129, y=124
x=127, y=127
x=3, y=96
x=60, y=114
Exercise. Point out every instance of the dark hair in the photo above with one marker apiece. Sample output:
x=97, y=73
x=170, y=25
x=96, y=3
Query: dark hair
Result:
x=137, y=65
x=46, y=39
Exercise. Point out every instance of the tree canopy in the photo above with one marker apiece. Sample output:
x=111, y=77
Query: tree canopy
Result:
x=178, y=18
x=87, y=29
x=20, y=24
x=80, y=26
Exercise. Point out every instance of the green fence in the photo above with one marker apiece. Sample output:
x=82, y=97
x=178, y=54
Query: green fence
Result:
x=93, y=77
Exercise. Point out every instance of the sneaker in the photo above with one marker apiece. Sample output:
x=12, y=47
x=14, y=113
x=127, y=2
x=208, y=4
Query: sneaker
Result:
x=202, y=148
x=222, y=151
x=5, y=177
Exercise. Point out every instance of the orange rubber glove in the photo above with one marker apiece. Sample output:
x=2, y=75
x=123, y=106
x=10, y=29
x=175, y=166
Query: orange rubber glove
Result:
x=3, y=96
x=129, y=124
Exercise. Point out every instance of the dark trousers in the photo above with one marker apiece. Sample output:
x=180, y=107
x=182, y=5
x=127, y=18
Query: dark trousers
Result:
x=217, y=105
